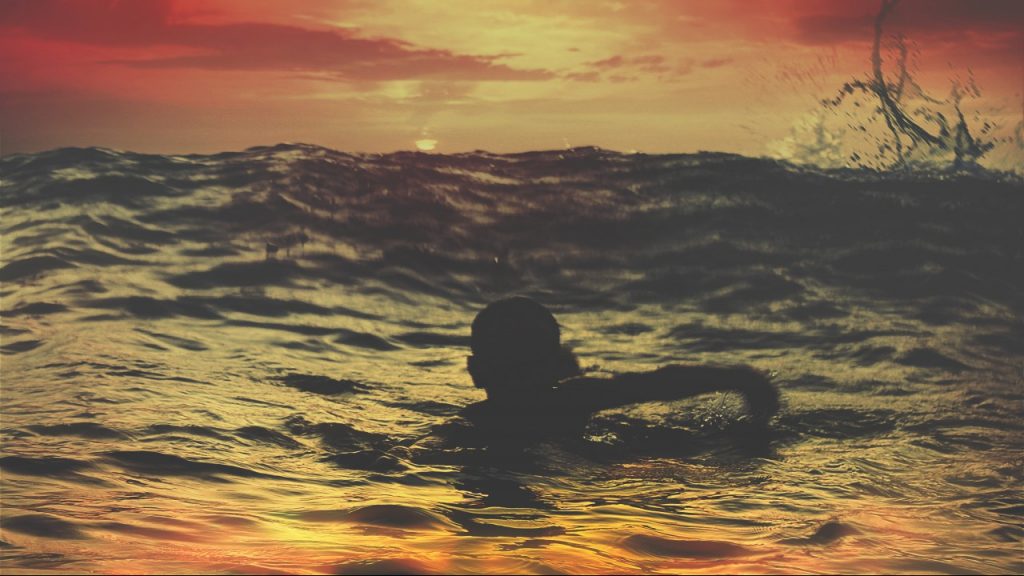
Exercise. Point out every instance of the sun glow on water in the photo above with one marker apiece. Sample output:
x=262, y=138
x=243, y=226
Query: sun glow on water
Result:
x=197, y=402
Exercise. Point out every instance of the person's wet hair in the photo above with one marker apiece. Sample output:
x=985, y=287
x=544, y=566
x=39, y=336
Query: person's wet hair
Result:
x=516, y=345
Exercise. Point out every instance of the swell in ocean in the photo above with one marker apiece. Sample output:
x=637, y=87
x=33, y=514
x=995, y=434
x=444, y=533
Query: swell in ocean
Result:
x=214, y=362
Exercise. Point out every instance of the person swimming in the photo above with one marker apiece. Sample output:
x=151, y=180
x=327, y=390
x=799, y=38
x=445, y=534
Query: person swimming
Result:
x=535, y=388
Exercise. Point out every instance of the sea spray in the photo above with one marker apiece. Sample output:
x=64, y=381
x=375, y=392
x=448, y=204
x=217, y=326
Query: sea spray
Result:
x=888, y=121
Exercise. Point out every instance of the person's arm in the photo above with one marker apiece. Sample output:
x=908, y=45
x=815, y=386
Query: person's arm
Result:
x=674, y=382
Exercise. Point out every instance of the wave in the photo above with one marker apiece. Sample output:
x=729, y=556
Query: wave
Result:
x=289, y=323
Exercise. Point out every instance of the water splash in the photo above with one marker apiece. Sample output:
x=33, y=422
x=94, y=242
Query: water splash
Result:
x=904, y=127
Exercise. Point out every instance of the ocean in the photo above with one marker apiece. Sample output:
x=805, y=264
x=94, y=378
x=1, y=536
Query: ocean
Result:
x=216, y=363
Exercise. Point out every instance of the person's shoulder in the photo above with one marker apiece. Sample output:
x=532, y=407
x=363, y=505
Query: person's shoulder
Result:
x=584, y=385
x=476, y=412
x=582, y=393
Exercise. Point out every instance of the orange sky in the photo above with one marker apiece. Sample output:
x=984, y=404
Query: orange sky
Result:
x=378, y=75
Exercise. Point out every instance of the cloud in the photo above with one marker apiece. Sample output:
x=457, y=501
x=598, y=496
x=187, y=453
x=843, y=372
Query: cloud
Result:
x=590, y=76
x=246, y=46
x=716, y=62
x=816, y=22
x=616, y=67
x=647, y=63
x=619, y=68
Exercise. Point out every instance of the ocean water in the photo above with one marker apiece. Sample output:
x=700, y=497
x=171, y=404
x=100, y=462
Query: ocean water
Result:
x=218, y=363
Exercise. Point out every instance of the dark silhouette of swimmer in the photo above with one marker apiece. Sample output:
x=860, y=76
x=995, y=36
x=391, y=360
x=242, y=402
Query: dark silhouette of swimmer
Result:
x=535, y=387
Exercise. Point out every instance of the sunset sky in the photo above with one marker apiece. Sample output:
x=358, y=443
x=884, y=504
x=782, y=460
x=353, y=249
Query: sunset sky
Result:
x=379, y=75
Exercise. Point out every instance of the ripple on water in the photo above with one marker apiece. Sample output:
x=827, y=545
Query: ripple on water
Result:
x=485, y=527
x=651, y=545
x=36, y=309
x=372, y=460
x=150, y=532
x=20, y=346
x=50, y=467
x=364, y=340
x=317, y=384
x=827, y=533
x=81, y=429
x=397, y=566
x=267, y=436
x=31, y=266
x=44, y=526
x=386, y=515
x=189, y=429
x=433, y=339
x=928, y=358
x=160, y=464
x=240, y=274
x=337, y=435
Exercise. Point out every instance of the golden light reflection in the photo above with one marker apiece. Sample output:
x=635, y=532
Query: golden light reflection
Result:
x=426, y=144
x=226, y=363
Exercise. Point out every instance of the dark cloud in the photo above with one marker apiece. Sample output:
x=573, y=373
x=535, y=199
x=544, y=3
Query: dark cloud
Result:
x=246, y=46
x=819, y=22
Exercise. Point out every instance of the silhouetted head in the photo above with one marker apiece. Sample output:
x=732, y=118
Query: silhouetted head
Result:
x=517, y=350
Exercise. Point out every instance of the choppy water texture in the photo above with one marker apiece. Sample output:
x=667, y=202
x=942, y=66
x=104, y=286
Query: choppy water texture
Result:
x=179, y=396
